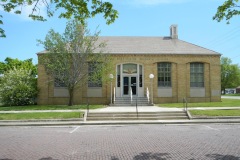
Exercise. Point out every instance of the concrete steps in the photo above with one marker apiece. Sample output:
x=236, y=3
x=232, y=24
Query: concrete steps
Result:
x=126, y=101
x=128, y=116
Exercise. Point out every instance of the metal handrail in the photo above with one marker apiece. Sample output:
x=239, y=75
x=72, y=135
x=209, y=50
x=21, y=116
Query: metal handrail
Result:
x=185, y=104
x=87, y=105
x=131, y=94
x=137, y=106
x=147, y=94
x=114, y=95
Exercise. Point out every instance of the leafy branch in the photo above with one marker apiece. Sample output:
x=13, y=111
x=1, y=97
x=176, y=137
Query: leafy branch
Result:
x=77, y=9
x=226, y=11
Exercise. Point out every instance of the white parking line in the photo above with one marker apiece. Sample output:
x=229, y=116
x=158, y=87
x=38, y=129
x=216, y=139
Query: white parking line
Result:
x=75, y=129
x=211, y=128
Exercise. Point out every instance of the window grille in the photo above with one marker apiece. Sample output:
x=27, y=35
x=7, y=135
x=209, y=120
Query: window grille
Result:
x=196, y=75
x=164, y=74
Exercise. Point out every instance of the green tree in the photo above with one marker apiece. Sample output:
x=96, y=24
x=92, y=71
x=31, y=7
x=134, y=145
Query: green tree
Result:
x=2, y=32
x=10, y=64
x=70, y=55
x=78, y=9
x=18, y=87
x=227, y=10
x=230, y=74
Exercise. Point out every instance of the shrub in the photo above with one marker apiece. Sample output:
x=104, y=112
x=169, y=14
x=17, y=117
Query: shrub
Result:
x=18, y=87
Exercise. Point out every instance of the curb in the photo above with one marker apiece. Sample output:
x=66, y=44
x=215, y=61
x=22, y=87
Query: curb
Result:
x=64, y=123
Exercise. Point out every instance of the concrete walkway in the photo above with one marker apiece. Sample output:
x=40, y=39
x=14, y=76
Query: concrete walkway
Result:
x=231, y=97
x=212, y=108
x=107, y=109
x=127, y=109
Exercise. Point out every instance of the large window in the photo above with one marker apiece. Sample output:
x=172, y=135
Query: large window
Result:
x=59, y=83
x=94, y=79
x=164, y=74
x=129, y=68
x=196, y=75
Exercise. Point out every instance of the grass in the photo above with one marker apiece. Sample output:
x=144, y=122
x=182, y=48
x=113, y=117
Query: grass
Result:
x=223, y=103
x=41, y=115
x=204, y=113
x=238, y=94
x=48, y=107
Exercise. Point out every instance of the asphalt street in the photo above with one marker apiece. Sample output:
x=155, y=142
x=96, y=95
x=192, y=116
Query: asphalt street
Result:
x=121, y=142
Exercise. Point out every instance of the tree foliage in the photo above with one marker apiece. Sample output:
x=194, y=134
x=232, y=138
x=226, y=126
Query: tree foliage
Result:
x=230, y=74
x=227, y=10
x=78, y=9
x=2, y=32
x=69, y=55
x=18, y=87
x=10, y=64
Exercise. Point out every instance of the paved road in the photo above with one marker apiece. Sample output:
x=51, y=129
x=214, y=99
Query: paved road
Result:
x=130, y=142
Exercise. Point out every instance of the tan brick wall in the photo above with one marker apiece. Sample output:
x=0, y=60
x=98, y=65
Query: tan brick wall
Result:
x=180, y=79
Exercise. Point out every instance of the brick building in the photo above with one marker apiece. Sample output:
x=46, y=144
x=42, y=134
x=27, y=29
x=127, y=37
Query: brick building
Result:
x=180, y=70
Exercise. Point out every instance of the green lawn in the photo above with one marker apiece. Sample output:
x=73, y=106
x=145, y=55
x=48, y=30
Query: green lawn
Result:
x=224, y=103
x=204, y=113
x=231, y=94
x=48, y=115
x=48, y=107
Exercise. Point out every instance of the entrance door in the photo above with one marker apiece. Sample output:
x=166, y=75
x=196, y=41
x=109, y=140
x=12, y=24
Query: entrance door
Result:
x=134, y=85
x=129, y=82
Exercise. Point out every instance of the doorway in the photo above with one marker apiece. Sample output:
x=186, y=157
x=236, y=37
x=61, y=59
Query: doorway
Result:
x=129, y=82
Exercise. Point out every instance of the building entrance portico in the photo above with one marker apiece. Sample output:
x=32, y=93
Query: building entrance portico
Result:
x=129, y=80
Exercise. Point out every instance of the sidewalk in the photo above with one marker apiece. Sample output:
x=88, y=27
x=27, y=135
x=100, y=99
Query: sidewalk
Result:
x=80, y=121
x=127, y=109
x=231, y=97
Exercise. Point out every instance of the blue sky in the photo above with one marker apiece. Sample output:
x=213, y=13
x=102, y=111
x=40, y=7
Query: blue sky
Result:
x=136, y=18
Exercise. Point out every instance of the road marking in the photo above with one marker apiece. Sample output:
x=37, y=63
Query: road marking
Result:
x=75, y=129
x=211, y=128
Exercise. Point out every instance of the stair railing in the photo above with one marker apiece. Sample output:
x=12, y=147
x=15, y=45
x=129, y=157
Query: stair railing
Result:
x=87, y=105
x=137, y=106
x=131, y=94
x=114, y=95
x=85, y=115
x=147, y=94
x=185, y=104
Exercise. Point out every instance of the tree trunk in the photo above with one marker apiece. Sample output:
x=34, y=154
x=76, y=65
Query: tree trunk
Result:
x=224, y=91
x=70, y=102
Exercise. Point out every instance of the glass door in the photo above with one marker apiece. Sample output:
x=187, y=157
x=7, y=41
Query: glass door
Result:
x=134, y=85
x=125, y=85
x=128, y=82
